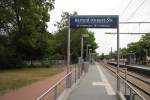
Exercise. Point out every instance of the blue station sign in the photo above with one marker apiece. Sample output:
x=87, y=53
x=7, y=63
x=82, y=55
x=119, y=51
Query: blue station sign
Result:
x=84, y=21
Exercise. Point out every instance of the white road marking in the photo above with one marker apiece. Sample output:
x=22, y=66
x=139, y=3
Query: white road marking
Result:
x=104, y=82
x=98, y=83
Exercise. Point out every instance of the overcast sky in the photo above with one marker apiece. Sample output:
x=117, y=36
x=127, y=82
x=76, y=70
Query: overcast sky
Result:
x=138, y=10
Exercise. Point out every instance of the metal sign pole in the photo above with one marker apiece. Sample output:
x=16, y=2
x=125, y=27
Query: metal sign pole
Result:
x=118, y=58
x=68, y=55
x=82, y=48
x=87, y=52
x=89, y=55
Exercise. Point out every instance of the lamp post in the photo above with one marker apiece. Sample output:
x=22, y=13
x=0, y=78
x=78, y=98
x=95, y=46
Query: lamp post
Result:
x=87, y=47
x=90, y=55
x=82, y=45
x=94, y=56
x=110, y=55
x=146, y=55
x=68, y=83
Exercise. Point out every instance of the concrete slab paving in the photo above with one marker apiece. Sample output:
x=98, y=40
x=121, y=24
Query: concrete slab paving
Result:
x=94, y=86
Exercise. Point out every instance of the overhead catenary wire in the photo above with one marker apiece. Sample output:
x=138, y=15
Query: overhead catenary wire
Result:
x=134, y=12
x=126, y=7
x=146, y=18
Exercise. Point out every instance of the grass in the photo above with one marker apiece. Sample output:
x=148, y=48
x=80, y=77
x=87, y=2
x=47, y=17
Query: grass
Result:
x=13, y=79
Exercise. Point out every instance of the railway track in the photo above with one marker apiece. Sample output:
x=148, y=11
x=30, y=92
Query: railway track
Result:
x=142, y=71
x=141, y=83
x=136, y=75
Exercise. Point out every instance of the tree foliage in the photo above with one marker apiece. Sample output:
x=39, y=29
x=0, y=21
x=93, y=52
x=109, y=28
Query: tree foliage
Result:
x=62, y=35
x=23, y=29
x=24, y=36
x=138, y=48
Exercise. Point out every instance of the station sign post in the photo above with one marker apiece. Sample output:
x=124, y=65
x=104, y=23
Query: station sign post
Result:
x=85, y=21
x=94, y=21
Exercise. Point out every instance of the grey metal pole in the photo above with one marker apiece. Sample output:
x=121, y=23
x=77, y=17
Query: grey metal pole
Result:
x=82, y=44
x=75, y=73
x=79, y=67
x=111, y=54
x=134, y=58
x=55, y=93
x=68, y=54
x=81, y=54
x=130, y=59
x=90, y=55
x=82, y=48
x=118, y=58
x=146, y=54
x=126, y=81
x=87, y=52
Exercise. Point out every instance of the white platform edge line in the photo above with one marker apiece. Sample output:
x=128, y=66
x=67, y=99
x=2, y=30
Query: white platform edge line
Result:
x=108, y=87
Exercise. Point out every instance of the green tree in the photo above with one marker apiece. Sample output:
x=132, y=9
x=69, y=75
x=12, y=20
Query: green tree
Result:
x=23, y=24
x=61, y=38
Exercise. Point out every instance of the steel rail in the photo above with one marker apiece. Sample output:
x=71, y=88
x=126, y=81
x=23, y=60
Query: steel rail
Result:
x=141, y=79
x=127, y=80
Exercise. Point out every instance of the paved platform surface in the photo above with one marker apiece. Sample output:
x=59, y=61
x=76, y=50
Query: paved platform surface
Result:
x=95, y=85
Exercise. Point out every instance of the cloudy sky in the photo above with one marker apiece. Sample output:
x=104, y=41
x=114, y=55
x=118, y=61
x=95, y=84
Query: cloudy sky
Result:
x=128, y=10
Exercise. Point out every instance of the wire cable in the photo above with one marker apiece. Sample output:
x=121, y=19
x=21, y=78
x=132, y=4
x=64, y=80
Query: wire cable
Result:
x=146, y=18
x=126, y=7
x=134, y=12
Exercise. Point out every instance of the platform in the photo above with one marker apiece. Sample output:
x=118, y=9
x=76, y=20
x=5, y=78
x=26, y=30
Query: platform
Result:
x=144, y=67
x=97, y=84
x=140, y=66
